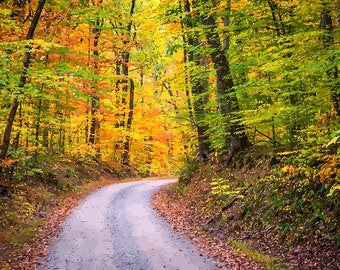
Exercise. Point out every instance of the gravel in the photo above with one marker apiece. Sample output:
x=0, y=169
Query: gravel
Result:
x=117, y=228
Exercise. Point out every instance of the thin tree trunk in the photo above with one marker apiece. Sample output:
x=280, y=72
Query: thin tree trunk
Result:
x=87, y=113
x=95, y=100
x=94, y=125
x=187, y=84
x=277, y=18
x=23, y=78
x=187, y=41
x=128, y=85
x=126, y=156
x=328, y=41
x=17, y=137
x=61, y=144
x=37, y=126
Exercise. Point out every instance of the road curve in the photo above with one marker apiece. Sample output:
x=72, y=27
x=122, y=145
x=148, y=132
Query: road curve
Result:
x=116, y=228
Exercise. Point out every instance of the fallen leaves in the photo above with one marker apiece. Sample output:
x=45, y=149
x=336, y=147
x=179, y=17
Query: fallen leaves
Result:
x=186, y=217
x=185, y=213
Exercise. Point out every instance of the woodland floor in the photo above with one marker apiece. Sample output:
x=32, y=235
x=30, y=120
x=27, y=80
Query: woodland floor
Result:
x=182, y=215
x=187, y=212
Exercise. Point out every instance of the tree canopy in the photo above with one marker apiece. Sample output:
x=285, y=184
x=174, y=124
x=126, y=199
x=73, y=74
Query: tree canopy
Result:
x=138, y=83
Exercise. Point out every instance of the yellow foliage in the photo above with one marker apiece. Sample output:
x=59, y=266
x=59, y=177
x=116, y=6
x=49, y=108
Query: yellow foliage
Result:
x=253, y=75
x=289, y=169
x=330, y=169
x=334, y=188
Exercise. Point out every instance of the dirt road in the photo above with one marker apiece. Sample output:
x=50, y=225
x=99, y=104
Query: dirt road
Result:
x=116, y=228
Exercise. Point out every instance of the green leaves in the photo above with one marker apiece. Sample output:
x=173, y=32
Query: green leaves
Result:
x=221, y=187
x=335, y=139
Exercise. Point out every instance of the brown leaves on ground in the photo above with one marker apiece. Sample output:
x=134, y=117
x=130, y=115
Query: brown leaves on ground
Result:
x=188, y=213
x=186, y=216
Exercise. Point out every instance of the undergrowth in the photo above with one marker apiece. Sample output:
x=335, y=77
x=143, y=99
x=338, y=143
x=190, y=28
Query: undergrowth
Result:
x=28, y=197
x=298, y=199
x=268, y=262
x=290, y=197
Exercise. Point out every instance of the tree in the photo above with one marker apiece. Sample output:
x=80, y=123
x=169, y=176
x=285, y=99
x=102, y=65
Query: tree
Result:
x=128, y=83
x=197, y=66
x=94, y=97
x=326, y=24
x=23, y=78
x=227, y=99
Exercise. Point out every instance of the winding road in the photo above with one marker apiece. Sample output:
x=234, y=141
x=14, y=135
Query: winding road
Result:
x=117, y=228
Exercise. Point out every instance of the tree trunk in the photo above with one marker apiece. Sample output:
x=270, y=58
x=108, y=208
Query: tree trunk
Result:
x=328, y=41
x=128, y=86
x=37, y=125
x=199, y=90
x=277, y=18
x=15, y=102
x=228, y=103
x=94, y=124
x=187, y=41
x=126, y=157
x=95, y=100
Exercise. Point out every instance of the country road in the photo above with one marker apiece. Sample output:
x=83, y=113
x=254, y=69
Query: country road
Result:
x=116, y=228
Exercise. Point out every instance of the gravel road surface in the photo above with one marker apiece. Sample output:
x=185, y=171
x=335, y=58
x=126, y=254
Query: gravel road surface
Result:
x=116, y=228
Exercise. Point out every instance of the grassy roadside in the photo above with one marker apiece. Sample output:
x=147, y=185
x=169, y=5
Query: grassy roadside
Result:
x=268, y=262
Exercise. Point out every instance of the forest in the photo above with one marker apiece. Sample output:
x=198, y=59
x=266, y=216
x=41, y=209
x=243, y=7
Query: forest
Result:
x=239, y=99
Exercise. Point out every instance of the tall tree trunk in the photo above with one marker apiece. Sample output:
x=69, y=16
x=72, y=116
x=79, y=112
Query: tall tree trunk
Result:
x=94, y=124
x=126, y=156
x=328, y=41
x=23, y=78
x=128, y=86
x=187, y=41
x=61, y=139
x=199, y=90
x=37, y=125
x=120, y=102
x=277, y=18
x=95, y=100
x=228, y=103
x=87, y=114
